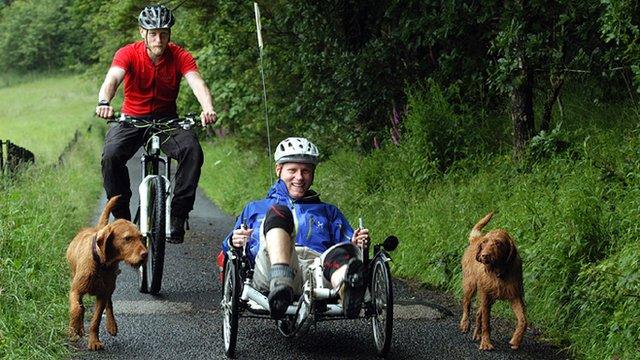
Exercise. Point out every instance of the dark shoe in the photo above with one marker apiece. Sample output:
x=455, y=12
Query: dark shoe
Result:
x=279, y=300
x=352, y=290
x=280, y=289
x=177, y=230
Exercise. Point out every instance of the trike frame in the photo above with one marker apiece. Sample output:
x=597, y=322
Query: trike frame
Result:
x=317, y=303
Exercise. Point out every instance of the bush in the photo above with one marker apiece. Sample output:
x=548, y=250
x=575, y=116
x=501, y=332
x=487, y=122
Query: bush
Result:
x=573, y=214
x=32, y=38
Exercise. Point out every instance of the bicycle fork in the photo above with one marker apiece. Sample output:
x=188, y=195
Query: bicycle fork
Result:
x=150, y=170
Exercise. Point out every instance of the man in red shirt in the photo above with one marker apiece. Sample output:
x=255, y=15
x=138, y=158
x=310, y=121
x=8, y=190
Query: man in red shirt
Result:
x=152, y=69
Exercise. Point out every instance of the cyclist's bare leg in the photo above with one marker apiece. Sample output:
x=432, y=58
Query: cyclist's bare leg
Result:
x=338, y=276
x=279, y=246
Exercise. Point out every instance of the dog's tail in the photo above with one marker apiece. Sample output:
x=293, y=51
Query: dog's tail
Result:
x=104, y=217
x=477, y=229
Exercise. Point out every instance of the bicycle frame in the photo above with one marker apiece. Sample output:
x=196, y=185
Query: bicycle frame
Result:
x=155, y=190
x=151, y=168
x=310, y=293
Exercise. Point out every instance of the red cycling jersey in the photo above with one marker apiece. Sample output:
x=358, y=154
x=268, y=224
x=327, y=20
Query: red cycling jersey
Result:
x=152, y=89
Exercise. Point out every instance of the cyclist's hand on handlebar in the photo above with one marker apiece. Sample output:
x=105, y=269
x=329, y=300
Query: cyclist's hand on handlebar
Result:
x=240, y=237
x=361, y=238
x=105, y=111
x=208, y=117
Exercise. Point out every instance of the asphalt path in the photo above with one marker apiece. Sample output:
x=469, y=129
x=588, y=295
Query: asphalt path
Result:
x=184, y=321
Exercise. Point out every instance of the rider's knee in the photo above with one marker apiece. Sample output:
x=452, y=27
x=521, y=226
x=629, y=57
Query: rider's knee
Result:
x=192, y=151
x=280, y=217
x=110, y=157
x=197, y=154
x=336, y=258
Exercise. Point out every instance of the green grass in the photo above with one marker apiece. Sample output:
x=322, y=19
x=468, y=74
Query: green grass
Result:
x=13, y=79
x=42, y=207
x=42, y=113
x=573, y=213
x=40, y=212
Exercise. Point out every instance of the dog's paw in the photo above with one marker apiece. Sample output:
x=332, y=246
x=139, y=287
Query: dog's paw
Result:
x=76, y=334
x=464, y=327
x=476, y=335
x=515, y=345
x=94, y=345
x=112, y=328
x=486, y=345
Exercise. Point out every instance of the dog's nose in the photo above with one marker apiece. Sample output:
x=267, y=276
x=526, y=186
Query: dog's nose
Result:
x=143, y=254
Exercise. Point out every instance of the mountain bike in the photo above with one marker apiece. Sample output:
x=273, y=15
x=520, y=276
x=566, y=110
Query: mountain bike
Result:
x=154, y=207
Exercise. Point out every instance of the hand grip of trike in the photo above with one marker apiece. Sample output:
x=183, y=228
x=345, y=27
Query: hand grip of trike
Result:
x=365, y=247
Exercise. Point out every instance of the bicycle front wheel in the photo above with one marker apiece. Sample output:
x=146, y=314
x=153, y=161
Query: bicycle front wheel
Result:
x=152, y=270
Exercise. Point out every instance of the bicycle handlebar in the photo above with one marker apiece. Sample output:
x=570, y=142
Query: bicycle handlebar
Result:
x=186, y=122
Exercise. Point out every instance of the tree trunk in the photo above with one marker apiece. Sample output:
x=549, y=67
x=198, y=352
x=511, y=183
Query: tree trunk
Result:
x=521, y=95
x=556, y=85
x=522, y=111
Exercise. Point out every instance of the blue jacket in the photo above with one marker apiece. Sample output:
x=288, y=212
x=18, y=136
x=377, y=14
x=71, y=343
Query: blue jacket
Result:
x=318, y=225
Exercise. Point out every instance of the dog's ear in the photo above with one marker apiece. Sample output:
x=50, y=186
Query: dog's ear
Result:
x=478, y=251
x=511, y=250
x=103, y=238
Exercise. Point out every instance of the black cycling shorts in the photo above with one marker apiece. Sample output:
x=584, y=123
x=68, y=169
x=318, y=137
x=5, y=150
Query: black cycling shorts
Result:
x=278, y=216
x=337, y=257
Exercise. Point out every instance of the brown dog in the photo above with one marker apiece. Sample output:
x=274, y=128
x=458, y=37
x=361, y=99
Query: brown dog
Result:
x=94, y=255
x=492, y=267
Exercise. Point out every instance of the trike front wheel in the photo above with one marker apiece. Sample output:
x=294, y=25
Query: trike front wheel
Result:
x=382, y=299
x=230, y=307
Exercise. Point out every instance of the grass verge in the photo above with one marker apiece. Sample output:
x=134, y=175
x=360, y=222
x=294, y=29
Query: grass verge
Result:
x=41, y=210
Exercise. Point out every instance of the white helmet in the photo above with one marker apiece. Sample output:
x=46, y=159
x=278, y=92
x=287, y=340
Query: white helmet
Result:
x=295, y=149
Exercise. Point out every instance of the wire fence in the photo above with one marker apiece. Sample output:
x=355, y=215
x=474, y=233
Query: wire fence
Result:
x=72, y=143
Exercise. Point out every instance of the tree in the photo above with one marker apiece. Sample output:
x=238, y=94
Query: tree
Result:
x=620, y=28
x=536, y=46
x=42, y=35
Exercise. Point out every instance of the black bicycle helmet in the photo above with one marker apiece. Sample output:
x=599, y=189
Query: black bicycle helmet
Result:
x=156, y=17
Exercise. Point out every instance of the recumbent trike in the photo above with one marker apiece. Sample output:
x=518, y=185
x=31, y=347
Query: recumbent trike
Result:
x=317, y=303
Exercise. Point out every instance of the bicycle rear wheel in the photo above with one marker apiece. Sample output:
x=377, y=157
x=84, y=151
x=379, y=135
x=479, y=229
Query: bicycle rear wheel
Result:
x=151, y=274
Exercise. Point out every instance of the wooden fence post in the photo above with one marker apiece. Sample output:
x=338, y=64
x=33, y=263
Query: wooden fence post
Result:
x=1, y=158
x=5, y=158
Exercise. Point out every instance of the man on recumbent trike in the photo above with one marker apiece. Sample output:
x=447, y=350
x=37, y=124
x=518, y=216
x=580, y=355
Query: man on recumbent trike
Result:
x=287, y=230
